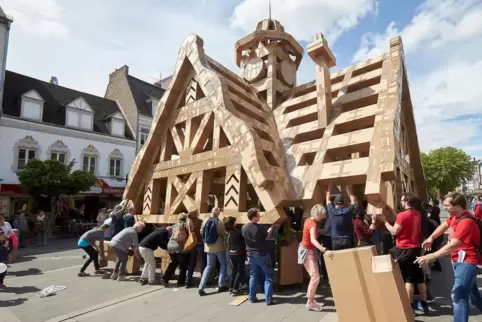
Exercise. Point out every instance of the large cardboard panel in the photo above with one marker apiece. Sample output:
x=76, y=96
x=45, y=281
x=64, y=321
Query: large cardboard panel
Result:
x=290, y=272
x=350, y=293
x=391, y=290
x=365, y=254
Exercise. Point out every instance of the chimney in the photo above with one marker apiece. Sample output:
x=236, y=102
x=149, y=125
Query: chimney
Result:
x=54, y=80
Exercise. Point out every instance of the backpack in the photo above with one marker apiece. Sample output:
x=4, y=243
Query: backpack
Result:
x=479, y=224
x=129, y=220
x=179, y=235
x=210, y=231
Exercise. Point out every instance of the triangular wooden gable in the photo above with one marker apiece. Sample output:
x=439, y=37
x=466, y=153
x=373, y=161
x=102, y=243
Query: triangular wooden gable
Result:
x=201, y=143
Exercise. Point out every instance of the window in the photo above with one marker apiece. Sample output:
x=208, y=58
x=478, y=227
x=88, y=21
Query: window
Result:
x=115, y=168
x=59, y=156
x=32, y=109
x=89, y=163
x=25, y=155
x=143, y=134
x=32, y=106
x=117, y=127
x=85, y=121
x=79, y=120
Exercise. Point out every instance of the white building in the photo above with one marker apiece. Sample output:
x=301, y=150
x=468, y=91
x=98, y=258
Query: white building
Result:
x=5, y=22
x=43, y=120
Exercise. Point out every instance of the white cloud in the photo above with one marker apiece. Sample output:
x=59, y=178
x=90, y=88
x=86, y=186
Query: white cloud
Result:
x=447, y=104
x=39, y=17
x=304, y=18
x=152, y=33
x=440, y=44
x=437, y=23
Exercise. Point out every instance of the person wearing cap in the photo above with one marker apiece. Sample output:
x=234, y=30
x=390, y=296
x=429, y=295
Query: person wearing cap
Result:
x=341, y=219
x=158, y=238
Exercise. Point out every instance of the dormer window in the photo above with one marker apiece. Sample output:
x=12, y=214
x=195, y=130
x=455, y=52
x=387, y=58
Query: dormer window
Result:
x=117, y=124
x=32, y=106
x=79, y=114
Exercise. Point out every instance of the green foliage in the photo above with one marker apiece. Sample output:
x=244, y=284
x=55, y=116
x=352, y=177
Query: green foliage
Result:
x=446, y=168
x=53, y=178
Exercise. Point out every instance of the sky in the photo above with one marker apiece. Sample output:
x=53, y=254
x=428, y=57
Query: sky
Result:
x=82, y=42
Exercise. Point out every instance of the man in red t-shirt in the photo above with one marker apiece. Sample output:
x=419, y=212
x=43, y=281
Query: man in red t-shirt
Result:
x=408, y=233
x=463, y=246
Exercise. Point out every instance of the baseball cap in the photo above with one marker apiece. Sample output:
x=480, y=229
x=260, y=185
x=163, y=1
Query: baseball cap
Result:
x=339, y=200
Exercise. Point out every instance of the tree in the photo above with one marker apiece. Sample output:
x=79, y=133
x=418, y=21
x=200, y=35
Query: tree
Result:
x=446, y=168
x=52, y=178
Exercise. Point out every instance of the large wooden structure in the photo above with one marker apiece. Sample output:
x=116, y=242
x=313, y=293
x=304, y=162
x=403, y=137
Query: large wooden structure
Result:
x=258, y=138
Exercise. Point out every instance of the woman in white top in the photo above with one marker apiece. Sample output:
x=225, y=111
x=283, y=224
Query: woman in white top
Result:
x=5, y=226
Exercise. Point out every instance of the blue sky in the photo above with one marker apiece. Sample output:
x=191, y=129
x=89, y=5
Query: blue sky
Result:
x=81, y=42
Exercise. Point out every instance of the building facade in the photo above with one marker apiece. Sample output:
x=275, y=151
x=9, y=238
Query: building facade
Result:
x=5, y=22
x=138, y=99
x=42, y=120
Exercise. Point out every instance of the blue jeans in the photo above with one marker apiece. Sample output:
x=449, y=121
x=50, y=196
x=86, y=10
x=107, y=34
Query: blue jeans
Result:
x=211, y=263
x=465, y=289
x=264, y=264
x=199, y=249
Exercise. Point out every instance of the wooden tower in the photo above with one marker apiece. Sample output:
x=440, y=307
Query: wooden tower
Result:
x=259, y=139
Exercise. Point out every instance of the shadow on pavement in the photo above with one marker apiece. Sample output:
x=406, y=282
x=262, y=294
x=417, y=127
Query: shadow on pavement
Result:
x=22, y=289
x=15, y=302
x=24, y=259
x=28, y=272
x=56, y=245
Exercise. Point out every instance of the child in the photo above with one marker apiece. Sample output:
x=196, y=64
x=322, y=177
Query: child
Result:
x=3, y=257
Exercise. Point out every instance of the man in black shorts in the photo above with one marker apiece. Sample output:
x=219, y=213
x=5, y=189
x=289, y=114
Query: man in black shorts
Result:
x=408, y=233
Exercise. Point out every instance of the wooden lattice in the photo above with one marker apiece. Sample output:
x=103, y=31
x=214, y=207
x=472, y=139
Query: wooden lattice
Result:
x=261, y=139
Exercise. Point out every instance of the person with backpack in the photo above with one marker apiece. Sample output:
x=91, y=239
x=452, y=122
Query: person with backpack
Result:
x=464, y=247
x=212, y=232
x=175, y=247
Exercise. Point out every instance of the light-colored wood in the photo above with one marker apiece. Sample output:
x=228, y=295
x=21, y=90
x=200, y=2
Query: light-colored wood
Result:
x=239, y=300
x=259, y=138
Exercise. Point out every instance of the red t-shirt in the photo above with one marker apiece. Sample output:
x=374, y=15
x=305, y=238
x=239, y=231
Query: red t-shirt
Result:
x=306, y=240
x=467, y=231
x=410, y=234
x=478, y=211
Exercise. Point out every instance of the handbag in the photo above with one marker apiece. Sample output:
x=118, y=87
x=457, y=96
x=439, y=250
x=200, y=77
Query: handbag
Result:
x=191, y=241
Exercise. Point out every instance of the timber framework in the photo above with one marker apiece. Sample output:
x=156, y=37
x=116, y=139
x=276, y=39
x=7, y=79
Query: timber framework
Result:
x=257, y=138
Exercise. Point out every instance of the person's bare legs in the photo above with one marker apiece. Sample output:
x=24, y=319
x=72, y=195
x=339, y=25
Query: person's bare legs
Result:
x=410, y=289
x=422, y=291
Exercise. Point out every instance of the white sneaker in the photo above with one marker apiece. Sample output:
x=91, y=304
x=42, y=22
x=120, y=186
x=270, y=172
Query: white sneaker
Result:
x=114, y=276
x=121, y=278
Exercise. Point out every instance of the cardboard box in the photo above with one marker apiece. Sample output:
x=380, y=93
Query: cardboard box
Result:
x=350, y=292
x=289, y=271
x=391, y=290
x=103, y=263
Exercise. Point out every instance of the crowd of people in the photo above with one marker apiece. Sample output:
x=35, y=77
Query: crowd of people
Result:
x=414, y=237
